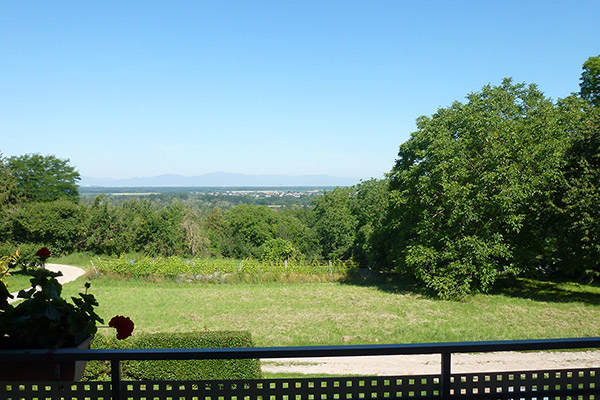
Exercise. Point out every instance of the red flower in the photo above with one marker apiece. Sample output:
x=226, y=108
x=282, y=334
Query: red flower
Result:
x=123, y=325
x=43, y=253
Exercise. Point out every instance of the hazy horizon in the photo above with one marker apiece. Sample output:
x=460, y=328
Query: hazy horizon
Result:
x=220, y=179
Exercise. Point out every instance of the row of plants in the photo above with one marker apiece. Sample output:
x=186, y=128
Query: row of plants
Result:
x=209, y=268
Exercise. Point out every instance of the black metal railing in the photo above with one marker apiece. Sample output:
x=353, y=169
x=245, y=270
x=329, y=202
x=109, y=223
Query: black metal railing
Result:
x=575, y=383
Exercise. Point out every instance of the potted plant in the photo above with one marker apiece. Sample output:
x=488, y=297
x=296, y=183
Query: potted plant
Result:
x=45, y=320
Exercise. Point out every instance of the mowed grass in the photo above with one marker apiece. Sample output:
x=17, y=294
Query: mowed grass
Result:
x=17, y=280
x=283, y=314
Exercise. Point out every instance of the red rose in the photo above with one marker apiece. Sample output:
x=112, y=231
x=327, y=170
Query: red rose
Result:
x=123, y=325
x=43, y=253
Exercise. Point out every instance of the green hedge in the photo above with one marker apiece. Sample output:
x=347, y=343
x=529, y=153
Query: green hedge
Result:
x=176, y=369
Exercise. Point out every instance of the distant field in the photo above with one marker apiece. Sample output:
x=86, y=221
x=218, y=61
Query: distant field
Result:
x=280, y=314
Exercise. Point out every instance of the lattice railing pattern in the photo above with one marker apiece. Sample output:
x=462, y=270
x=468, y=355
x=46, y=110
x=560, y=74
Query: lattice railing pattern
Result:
x=554, y=384
x=289, y=389
x=55, y=390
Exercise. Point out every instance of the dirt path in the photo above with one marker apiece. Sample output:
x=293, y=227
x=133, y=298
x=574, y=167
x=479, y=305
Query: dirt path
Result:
x=430, y=364
x=69, y=274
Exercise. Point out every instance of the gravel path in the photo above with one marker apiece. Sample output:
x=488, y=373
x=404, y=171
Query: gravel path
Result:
x=69, y=274
x=430, y=364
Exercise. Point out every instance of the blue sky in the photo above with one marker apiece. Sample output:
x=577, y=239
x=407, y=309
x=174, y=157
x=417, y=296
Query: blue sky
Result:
x=143, y=88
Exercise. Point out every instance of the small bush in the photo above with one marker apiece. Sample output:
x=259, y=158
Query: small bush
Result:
x=176, y=369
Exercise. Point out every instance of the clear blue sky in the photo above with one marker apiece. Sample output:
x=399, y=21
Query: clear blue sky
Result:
x=143, y=88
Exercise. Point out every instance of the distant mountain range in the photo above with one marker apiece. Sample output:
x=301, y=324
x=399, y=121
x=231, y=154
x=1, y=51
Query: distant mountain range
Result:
x=219, y=179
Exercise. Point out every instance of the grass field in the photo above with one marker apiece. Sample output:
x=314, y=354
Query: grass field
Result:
x=280, y=314
x=17, y=280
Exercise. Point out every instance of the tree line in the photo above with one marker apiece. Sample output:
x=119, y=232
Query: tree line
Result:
x=57, y=218
x=506, y=183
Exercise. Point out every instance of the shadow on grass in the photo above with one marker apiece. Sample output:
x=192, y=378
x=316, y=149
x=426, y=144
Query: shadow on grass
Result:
x=524, y=288
x=389, y=283
x=547, y=291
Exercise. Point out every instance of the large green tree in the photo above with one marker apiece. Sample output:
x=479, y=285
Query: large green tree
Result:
x=369, y=205
x=575, y=207
x=590, y=81
x=44, y=178
x=56, y=224
x=335, y=222
x=160, y=230
x=105, y=228
x=470, y=183
x=247, y=227
x=196, y=239
x=294, y=229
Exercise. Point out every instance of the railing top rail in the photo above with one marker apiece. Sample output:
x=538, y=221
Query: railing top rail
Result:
x=300, y=352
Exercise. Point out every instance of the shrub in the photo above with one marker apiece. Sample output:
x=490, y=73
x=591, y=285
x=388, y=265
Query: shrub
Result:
x=55, y=224
x=176, y=369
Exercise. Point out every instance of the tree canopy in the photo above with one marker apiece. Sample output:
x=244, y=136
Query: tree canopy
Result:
x=43, y=178
x=575, y=207
x=473, y=188
x=335, y=222
x=590, y=81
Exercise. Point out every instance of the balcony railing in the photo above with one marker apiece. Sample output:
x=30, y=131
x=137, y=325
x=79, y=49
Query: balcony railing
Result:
x=583, y=383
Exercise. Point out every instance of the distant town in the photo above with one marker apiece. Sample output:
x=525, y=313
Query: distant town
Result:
x=292, y=191
x=269, y=193
x=207, y=197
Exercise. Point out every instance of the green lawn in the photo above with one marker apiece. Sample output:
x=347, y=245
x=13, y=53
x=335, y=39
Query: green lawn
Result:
x=279, y=314
x=17, y=280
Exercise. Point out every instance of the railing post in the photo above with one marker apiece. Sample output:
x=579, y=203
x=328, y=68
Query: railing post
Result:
x=445, y=377
x=115, y=379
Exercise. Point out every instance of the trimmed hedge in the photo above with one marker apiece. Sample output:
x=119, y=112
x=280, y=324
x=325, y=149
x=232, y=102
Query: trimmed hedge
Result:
x=176, y=369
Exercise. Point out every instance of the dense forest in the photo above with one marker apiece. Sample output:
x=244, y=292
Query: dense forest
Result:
x=506, y=183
